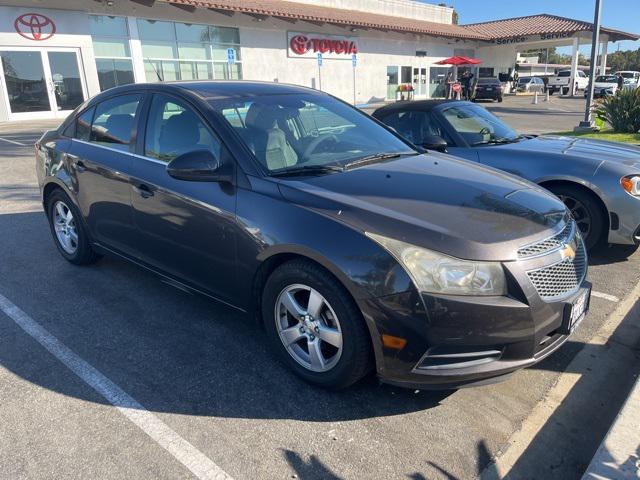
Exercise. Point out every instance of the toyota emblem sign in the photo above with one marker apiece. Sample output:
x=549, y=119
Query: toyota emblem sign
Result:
x=35, y=26
x=331, y=46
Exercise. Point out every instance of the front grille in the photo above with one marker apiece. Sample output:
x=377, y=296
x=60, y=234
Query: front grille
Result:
x=563, y=278
x=550, y=244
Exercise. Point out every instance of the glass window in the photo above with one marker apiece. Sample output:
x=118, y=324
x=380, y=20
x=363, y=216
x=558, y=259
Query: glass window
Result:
x=83, y=125
x=414, y=126
x=24, y=77
x=405, y=74
x=201, y=49
x=114, y=120
x=106, y=26
x=110, y=36
x=174, y=129
x=437, y=78
x=477, y=125
x=285, y=131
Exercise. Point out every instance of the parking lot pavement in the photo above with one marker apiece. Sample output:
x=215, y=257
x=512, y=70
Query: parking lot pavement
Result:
x=197, y=378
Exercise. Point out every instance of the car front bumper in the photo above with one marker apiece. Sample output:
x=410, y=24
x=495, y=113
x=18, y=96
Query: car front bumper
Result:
x=458, y=341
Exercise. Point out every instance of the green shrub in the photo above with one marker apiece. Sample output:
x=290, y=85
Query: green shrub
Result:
x=621, y=111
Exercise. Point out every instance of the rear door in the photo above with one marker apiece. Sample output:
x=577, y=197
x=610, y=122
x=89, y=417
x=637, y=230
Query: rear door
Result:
x=185, y=228
x=101, y=161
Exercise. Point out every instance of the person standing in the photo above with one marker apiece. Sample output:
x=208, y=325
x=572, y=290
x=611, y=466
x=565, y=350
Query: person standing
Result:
x=620, y=80
x=448, y=83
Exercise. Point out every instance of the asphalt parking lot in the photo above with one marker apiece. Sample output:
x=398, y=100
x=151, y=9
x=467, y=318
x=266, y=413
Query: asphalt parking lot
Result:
x=107, y=372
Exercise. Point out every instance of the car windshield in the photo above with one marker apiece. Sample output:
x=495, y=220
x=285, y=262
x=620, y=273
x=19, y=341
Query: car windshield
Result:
x=488, y=81
x=606, y=79
x=524, y=80
x=307, y=131
x=627, y=74
x=478, y=126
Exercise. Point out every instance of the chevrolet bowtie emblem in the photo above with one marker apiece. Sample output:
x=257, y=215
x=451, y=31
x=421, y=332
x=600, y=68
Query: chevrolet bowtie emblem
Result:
x=567, y=251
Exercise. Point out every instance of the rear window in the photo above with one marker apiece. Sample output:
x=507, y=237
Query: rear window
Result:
x=488, y=81
x=564, y=74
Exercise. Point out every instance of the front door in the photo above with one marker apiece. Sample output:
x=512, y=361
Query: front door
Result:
x=186, y=229
x=419, y=81
x=41, y=83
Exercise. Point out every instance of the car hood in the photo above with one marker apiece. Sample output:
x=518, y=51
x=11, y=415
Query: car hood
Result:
x=582, y=149
x=435, y=201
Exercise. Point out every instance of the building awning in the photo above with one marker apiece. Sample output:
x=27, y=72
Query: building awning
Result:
x=542, y=24
x=293, y=11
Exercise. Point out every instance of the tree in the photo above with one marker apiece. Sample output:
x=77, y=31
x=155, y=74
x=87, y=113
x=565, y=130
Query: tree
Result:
x=625, y=60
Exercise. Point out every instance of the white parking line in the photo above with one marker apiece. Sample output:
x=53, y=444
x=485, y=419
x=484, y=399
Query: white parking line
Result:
x=14, y=142
x=606, y=296
x=192, y=458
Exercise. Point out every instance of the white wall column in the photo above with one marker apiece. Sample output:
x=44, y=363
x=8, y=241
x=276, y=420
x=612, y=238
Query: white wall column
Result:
x=574, y=65
x=136, y=51
x=603, y=56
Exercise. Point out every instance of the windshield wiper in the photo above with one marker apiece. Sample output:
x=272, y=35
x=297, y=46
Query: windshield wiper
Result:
x=376, y=157
x=308, y=170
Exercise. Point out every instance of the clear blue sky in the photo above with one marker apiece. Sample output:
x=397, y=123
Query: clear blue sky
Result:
x=619, y=14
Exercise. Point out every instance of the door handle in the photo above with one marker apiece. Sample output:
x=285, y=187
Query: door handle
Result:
x=143, y=190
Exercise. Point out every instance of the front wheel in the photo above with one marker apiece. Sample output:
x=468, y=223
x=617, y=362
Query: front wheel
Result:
x=315, y=326
x=586, y=211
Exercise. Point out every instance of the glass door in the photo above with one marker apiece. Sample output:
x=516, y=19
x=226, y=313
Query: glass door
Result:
x=419, y=81
x=41, y=83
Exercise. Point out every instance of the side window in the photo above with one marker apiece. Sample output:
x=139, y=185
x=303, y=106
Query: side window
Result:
x=174, y=129
x=414, y=126
x=114, y=121
x=83, y=125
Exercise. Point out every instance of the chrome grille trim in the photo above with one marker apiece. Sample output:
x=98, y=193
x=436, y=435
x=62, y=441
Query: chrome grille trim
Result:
x=550, y=244
x=563, y=278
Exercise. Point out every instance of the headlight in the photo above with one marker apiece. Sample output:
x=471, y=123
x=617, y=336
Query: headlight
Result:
x=631, y=184
x=434, y=272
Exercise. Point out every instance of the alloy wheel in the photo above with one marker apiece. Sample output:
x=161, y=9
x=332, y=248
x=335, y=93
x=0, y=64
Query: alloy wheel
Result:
x=308, y=327
x=65, y=227
x=580, y=214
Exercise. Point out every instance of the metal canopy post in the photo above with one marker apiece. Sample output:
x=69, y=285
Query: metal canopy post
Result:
x=587, y=124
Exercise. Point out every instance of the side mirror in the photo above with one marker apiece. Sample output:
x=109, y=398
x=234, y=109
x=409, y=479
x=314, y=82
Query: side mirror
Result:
x=197, y=166
x=434, y=142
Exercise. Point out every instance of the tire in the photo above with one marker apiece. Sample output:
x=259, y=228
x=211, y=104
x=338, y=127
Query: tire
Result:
x=77, y=251
x=584, y=204
x=499, y=99
x=344, y=365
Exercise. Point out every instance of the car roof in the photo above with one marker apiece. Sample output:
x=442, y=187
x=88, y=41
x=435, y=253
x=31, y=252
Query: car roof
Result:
x=215, y=89
x=421, y=105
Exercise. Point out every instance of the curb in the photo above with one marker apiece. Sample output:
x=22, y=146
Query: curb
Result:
x=618, y=457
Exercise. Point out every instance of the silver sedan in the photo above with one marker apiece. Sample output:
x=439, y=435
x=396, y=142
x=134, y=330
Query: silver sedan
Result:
x=598, y=181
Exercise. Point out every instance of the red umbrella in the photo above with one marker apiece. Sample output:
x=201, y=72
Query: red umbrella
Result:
x=458, y=61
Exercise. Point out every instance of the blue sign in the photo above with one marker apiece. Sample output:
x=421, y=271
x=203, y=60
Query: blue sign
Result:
x=354, y=60
x=231, y=56
x=319, y=59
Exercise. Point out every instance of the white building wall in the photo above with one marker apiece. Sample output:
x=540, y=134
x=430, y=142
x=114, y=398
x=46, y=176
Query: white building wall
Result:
x=396, y=8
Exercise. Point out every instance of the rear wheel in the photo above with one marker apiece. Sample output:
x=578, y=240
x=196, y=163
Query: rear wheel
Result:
x=499, y=99
x=586, y=211
x=315, y=326
x=68, y=230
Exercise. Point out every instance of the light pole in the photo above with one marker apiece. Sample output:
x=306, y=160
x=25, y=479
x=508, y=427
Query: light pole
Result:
x=586, y=124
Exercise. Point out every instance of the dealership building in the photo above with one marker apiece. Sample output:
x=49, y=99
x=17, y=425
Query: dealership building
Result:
x=56, y=53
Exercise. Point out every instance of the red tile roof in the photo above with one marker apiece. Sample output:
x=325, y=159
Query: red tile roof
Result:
x=488, y=31
x=540, y=25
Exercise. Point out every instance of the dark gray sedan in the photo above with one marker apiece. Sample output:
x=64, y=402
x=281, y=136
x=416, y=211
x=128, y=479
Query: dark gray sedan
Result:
x=598, y=181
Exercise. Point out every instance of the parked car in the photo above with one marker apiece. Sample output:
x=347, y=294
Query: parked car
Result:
x=530, y=85
x=604, y=86
x=488, y=89
x=598, y=181
x=560, y=82
x=631, y=78
x=358, y=251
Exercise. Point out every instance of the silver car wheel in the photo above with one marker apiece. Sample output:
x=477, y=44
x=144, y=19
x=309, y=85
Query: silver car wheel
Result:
x=580, y=214
x=308, y=328
x=65, y=227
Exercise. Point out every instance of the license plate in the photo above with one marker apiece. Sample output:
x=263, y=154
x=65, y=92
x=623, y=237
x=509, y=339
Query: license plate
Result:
x=489, y=89
x=578, y=310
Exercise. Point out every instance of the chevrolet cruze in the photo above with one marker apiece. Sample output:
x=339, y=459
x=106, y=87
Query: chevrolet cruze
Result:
x=357, y=251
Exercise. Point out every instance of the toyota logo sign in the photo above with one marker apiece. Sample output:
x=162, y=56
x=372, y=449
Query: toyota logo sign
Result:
x=35, y=26
x=302, y=44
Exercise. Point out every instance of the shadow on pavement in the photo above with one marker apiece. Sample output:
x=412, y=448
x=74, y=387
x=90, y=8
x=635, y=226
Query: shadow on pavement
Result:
x=172, y=351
